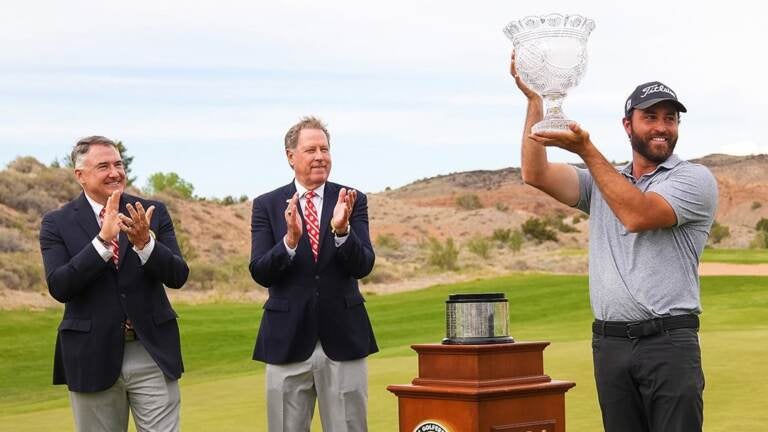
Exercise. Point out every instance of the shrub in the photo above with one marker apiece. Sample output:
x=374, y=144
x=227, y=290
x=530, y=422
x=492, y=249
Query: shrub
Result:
x=501, y=234
x=387, y=241
x=379, y=274
x=502, y=207
x=185, y=244
x=760, y=241
x=12, y=241
x=26, y=165
x=202, y=276
x=762, y=225
x=718, y=232
x=21, y=271
x=515, y=241
x=557, y=222
x=468, y=202
x=443, y=255
x=31, y=187
x=537, y=229
x=479, y=246
x=756, y=205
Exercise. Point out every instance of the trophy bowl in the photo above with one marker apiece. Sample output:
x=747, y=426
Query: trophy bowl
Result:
x=550, y=58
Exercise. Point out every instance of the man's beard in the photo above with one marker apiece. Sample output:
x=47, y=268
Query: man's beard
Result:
x=645, y=149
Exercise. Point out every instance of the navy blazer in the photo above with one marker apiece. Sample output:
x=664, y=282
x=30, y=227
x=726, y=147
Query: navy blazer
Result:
x=98, y=297
x=311, y=301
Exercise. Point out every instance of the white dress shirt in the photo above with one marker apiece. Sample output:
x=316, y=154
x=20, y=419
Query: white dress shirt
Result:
x=317, y=200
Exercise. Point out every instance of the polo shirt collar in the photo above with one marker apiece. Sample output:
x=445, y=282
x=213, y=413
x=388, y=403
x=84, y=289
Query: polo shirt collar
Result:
x=671, y=162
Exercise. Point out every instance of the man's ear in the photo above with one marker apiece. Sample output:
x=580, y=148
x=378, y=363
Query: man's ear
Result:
x=78, y=173
x=289, y=156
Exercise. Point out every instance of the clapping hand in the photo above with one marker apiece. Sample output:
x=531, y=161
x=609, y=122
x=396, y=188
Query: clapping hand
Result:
x=136, y=227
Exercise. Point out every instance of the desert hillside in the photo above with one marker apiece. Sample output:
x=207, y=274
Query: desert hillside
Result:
x=449, y=227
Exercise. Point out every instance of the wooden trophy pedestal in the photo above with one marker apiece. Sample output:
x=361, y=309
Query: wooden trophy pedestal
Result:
x=482, y=388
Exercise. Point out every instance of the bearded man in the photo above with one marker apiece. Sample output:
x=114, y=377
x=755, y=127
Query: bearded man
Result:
x=649, y=222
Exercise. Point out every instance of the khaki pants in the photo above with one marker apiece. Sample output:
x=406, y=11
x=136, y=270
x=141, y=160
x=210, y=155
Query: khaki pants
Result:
x=153, y=399
x=340, y=388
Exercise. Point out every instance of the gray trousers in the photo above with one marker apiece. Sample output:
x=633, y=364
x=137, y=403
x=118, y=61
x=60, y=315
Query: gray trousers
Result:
x=152, y=398
x=340, y=387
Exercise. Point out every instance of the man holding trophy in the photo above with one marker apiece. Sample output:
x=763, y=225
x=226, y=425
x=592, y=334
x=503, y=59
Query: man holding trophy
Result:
x=649, y=222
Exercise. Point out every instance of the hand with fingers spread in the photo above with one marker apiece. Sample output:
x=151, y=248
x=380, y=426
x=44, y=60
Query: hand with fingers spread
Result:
x=342, y=211
x=136, y=227
x=530, y=94
x=293, y=222
x=575, y=140
x=110, y=225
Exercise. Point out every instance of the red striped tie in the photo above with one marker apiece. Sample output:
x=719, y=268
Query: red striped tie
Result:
x=313, y=225
x=115, y=245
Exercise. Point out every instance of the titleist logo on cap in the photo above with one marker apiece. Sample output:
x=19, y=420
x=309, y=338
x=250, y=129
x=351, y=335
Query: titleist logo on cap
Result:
x=657, y=88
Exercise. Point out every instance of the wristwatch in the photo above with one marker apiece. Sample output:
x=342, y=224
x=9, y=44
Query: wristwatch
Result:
x=106, y=244
x=340, y=233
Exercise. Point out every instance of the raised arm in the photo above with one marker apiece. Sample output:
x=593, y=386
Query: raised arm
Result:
x=558, y=180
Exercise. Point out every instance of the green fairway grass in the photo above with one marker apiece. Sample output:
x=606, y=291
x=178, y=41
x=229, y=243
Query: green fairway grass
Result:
x=223, y=390
x=728, y=256
x=736, y=256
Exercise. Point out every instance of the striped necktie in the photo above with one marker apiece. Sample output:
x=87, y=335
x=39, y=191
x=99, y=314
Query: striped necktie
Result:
x=115, y=245
x=312, y=224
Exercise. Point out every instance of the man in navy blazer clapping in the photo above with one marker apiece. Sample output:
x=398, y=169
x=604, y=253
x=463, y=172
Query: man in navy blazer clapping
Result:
x=310, y=245
x=108, y=257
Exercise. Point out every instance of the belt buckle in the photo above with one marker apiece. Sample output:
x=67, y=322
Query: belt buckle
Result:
x=629, y=330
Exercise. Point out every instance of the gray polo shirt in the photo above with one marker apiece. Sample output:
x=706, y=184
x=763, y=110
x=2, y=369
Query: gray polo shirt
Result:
x=637, y=276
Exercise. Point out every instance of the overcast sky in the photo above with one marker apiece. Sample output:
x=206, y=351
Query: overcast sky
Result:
x=409, y=89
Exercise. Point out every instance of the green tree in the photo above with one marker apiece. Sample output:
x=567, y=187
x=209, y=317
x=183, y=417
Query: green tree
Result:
x=169, y=183
x=127, y=161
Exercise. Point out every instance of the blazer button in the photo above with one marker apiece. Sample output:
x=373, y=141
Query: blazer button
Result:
x=317, y=277
x=122, y=295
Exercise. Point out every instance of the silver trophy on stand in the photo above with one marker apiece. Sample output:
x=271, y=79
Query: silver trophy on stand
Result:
x=551, y=57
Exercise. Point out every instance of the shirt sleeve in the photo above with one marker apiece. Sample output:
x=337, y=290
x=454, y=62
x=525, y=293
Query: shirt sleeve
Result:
x=291, y=251
x=106, y=254
x=691, y=191
x=146, y=252
x=585, y=189
x=338, y=241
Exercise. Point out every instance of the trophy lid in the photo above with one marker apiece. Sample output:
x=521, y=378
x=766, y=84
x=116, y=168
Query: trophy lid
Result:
x=476, y=298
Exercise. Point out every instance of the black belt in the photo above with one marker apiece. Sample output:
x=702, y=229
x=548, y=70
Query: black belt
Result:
x=638, y=329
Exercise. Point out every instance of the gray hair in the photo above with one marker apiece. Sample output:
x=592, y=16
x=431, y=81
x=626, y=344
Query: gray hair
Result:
x=309, y=122
x=84, y=145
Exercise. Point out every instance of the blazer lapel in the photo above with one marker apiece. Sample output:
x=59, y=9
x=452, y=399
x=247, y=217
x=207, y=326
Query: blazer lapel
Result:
x=85, y=217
